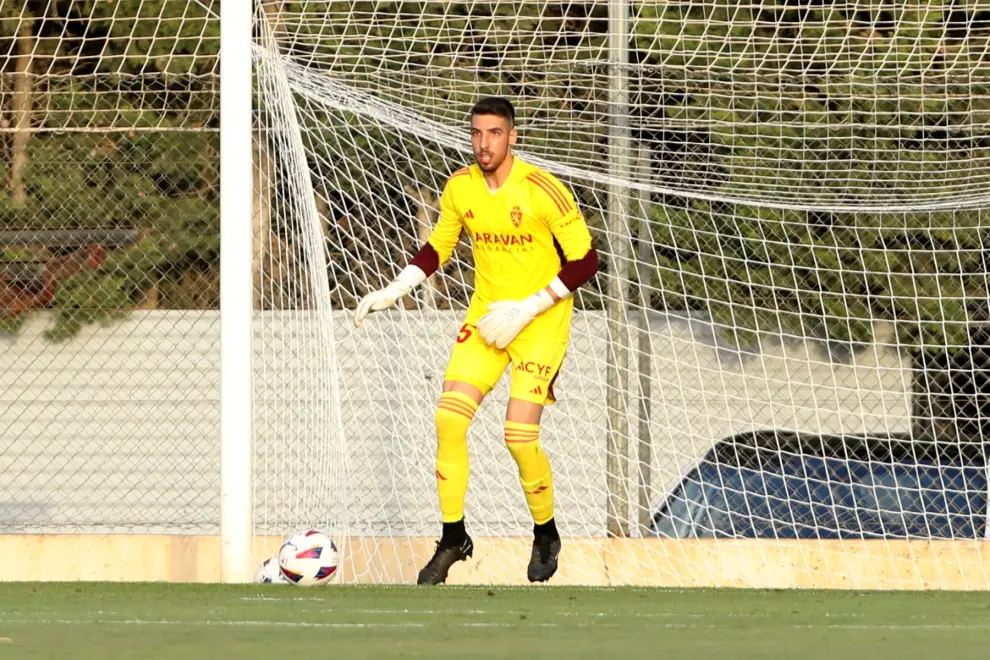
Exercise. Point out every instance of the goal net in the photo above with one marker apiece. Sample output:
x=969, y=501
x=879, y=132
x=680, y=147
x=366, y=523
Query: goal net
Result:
x=779, y=375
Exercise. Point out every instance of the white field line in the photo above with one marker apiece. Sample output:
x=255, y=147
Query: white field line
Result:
x=565, y=613
x=899, y=626
x=649, y=615
x=166, y=622
x=521, y=623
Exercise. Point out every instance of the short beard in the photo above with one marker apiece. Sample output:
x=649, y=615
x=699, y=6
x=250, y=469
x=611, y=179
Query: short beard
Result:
x=491, y=167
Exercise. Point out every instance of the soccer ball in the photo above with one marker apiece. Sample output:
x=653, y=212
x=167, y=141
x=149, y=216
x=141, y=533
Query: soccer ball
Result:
x=308, y=558
x=270, y=573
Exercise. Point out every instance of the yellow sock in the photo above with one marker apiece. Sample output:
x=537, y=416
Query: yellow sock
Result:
x=523, y=441
x=454, y=414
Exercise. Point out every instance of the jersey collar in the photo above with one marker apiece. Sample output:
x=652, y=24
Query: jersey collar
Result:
x=514, y=174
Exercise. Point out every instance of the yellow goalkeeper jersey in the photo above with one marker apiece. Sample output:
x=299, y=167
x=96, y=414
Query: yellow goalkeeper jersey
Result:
x=521, y=235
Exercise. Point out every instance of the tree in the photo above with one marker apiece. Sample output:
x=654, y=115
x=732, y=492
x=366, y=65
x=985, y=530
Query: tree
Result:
x=858, y=107
x=729, y=97
x=21, y=107
x=124, y=118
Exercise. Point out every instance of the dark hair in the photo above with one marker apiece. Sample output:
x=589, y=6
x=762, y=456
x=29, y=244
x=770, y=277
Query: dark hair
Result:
x=495, y=105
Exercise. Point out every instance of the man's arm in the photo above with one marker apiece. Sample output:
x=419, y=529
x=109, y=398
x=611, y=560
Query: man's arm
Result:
x=580, y=256
x=435, y=252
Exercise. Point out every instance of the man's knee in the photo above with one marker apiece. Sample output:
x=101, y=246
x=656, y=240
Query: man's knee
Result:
x=467, y=389
x=520, y=411
x=521, y=439
x=454, y=413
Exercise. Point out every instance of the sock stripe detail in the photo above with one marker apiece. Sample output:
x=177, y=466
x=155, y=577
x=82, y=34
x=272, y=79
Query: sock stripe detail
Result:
x=457, y=397
x=458, y=411
x=522, y=428
x=454, y=403
x=518, y=433
x=460, y=404
x=519, y=437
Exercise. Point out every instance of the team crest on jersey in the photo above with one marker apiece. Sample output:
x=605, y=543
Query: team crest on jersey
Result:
x=516, y=216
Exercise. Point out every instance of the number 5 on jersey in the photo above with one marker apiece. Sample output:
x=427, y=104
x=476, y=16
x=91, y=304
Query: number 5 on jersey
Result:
x=465, y=333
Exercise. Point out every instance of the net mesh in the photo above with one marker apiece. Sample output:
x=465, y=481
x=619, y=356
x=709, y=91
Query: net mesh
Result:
x=823, y=107
x=786, y=341
x=109, y=282
x=785, y=349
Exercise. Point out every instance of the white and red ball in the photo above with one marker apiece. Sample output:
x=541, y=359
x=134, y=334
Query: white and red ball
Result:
x=308, y=559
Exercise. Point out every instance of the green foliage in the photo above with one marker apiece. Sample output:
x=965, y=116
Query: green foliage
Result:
x=798, y=273
x=135, y=36
x=11, y=324
x=742, y=89
x=881, y=101
x=87, y=297
x=139, y=66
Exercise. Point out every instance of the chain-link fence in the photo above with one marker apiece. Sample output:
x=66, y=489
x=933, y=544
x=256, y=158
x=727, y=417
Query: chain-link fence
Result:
x=109, y=278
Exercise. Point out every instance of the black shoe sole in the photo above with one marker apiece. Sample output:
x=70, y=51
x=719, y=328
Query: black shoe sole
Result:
x=543, y=572
x=542, y=579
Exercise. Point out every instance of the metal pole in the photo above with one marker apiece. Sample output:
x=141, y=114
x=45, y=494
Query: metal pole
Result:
x=619, y=146
x=645, y=349
x=236, y=295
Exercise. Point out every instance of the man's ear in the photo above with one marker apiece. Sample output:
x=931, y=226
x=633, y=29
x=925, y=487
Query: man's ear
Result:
x=513, y=136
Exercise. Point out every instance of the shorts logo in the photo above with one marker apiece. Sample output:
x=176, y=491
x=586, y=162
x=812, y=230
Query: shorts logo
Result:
x=516, y=216
x=541, y=370
x=537, y=391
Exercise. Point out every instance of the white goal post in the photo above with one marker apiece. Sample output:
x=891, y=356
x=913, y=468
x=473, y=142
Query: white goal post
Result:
x=236, y=293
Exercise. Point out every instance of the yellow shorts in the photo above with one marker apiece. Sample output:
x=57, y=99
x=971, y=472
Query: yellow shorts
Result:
x=535, y=365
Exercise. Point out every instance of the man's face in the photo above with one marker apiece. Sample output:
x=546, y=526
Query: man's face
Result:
x=491, y=136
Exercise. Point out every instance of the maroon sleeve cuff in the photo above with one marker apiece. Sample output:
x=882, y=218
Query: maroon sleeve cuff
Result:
x=426, y=259
x=576, y=273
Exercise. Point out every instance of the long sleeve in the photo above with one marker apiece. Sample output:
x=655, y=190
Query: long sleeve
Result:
x=560, y=212
x=447, y=231
x=443, y=239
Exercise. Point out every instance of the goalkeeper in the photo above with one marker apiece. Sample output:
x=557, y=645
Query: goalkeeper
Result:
x=532, y=249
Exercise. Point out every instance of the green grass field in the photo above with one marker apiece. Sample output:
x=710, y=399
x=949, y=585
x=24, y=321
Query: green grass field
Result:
x=199, y=621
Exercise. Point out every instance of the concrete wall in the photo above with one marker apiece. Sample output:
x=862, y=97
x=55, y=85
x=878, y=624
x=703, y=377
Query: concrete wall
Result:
x=118, y=428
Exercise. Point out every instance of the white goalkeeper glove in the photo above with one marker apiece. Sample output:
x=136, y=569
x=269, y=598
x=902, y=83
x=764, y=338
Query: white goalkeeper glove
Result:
x=376, y=301
x=507, y=318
